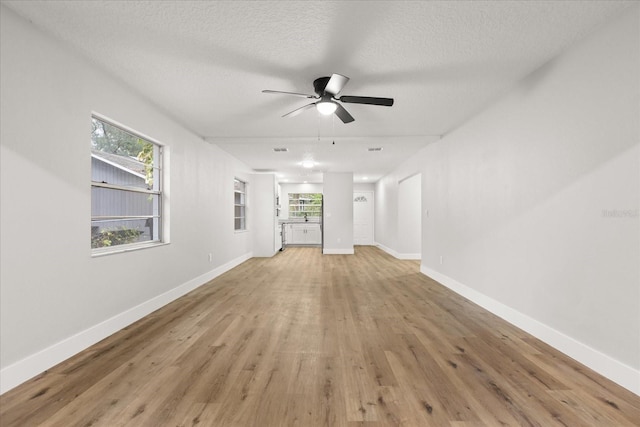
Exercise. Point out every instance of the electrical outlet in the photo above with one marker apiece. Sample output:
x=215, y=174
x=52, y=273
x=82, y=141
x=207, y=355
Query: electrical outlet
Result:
x=440, y=259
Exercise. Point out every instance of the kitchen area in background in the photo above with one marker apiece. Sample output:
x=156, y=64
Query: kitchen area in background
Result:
x=299, y=211
x=283, y=214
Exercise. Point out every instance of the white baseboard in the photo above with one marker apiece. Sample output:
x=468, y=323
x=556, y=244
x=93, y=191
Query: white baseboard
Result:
x=27, y=368
x=387, y=250
x=338, y=251
x=613, y=369
x=398, y=255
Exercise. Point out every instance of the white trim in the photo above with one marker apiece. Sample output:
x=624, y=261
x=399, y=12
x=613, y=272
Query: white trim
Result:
x=400, y=181
x=99, y=252
x=337, y=251
x=27, y=368
x=125, y=128
x=387, y=250
x=398, y=255
x=616, y=371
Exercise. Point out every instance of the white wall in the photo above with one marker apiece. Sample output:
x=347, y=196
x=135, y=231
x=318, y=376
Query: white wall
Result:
x=55, y=298
x=410, y=217
x=533, y=204
x=360, y=186
x=262, y=215
x=338, y=213
x=388, y=204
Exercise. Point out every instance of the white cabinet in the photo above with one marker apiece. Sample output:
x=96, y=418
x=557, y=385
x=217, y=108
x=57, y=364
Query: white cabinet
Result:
x=298, y=234
x=303, y=234
x=313, y=236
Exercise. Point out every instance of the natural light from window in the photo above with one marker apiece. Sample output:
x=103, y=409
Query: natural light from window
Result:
x=126, y=188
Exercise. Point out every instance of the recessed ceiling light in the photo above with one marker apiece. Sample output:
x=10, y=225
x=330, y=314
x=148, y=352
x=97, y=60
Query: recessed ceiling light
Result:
x=365, y=177
x=305, y=182
x=308, y=164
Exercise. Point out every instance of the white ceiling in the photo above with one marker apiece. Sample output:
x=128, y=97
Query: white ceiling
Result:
x=206, y=63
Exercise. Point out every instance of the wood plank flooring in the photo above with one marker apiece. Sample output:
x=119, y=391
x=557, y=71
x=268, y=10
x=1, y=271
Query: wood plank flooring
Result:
x=303, y=339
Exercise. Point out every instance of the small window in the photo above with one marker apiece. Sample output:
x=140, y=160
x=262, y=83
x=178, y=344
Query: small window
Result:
x=126, y=188
x=305, y=205
x=240, y=208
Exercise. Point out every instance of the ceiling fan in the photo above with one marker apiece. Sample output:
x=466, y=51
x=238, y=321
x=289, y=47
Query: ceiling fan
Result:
x=327, y=90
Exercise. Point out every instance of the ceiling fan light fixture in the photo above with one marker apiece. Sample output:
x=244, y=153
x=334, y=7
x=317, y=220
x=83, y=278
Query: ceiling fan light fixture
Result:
x=327, y=90
x=326, y=107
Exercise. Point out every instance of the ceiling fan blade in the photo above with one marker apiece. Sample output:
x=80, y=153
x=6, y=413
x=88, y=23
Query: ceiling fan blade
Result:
x=303, y=95
x=343, y=114
x=336, y=83
x=387, y=102
x=300, y=110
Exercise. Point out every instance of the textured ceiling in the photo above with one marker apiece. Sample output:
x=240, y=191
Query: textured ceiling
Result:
x=206, y=63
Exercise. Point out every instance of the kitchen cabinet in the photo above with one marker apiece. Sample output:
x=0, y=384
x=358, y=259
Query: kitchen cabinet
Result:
x=303, y=234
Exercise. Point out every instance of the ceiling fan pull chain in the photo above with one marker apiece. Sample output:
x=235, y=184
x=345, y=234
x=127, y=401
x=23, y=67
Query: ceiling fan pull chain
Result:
x=333, y=124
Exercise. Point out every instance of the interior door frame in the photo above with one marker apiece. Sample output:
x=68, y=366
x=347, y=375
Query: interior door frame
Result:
x=371, y=197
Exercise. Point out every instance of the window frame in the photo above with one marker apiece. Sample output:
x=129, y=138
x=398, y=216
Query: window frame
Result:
x=243, y=205
x=300, y=212
x=157, y=190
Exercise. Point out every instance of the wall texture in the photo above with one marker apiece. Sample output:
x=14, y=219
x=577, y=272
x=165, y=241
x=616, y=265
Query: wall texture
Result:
x=262, y=215
x=410, y=217
x=338, y=213
x=392, y=225
x=534, y=203
x=55, y=298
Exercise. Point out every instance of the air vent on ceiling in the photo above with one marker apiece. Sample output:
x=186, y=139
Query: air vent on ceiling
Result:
x=374, y=149
x=280, y=150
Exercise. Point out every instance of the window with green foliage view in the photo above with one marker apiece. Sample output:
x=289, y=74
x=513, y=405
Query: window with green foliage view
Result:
x=305, y=205
x=126, y=188
x=239, y=205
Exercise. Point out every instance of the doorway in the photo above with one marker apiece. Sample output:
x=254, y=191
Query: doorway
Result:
x=363, y=224
x=410, y=217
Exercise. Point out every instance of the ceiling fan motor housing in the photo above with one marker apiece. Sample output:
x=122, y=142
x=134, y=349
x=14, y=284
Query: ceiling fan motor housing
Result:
x=320, y=84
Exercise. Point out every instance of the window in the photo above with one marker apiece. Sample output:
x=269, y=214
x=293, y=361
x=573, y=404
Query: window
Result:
x=126, y=188
x=240, y=208
x=305, y=205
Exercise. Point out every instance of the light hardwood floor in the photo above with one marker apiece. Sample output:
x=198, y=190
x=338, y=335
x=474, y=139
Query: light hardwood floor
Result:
x=303, y=339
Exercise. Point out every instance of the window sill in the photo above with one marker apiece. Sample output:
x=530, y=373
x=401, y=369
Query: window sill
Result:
x=95, y=253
